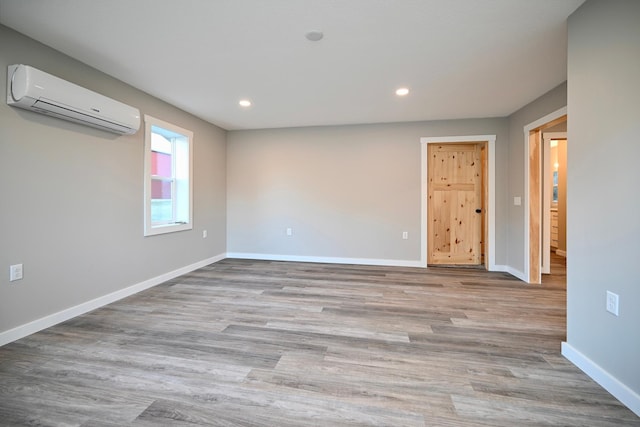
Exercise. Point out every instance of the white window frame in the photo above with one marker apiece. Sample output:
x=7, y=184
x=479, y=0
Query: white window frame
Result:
x=185, y=222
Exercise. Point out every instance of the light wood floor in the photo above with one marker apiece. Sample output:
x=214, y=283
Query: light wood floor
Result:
x=250, y=343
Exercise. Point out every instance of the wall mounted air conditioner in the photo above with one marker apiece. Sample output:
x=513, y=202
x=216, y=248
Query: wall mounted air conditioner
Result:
x=35, y=90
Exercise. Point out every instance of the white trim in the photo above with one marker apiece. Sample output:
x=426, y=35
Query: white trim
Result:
x=326, y=260
x=423, y=203
x=546, y=207
x=491, y=163
x=528, y=128
x=69, y=313
x=546, y=119
x=618, y=389
x=149, y=228
x=517, y=273
x=354, y=261
x=512, y=271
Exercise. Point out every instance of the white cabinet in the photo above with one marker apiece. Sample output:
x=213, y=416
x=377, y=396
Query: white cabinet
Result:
x=554, y=228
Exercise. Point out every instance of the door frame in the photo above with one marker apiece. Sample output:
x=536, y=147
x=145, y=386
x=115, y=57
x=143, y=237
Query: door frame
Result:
x=490, y=249
x=532, y=221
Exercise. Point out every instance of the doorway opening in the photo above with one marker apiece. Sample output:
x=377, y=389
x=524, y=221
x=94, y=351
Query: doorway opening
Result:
x=554, y=196
x=535, y=240
x=484, y=201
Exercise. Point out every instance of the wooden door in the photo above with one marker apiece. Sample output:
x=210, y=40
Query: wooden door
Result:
x=454, y=203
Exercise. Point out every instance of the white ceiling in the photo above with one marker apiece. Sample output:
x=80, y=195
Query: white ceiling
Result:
x=459, y=58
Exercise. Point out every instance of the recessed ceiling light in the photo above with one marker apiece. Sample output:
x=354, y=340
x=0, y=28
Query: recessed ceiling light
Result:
x=245, y=103
x=314, y=36
x=402, y=91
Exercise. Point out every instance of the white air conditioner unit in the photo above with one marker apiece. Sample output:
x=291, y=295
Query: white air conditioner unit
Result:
x=35, y=90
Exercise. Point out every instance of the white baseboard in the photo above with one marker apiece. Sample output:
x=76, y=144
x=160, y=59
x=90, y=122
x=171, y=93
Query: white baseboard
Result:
x=517, y=273
x=561, y=253
x=508, y=269
x=327, y=260
x=356, y=261
x=505, y=269
x=69, y=313
x=619, y=390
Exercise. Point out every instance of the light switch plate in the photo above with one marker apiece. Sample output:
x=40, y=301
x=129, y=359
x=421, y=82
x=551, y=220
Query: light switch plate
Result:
x=613, y=301
x=15, y=272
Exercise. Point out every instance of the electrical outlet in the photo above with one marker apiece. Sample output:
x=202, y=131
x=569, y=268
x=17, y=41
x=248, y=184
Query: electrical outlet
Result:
x=405, y=235
x=613, y=301
x=289, y=232
x=204, y=234
x=15, y=272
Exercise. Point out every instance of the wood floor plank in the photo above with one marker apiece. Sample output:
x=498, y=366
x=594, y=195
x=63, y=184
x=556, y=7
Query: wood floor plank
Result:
x=259, y=343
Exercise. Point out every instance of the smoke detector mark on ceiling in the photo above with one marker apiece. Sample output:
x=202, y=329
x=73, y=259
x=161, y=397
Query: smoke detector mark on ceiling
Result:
x=314, y=36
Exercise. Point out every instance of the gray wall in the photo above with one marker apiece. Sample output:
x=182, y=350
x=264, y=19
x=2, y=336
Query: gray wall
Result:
x=546, y=104
x=72, y=206
x=603, y=226
x=346, y=191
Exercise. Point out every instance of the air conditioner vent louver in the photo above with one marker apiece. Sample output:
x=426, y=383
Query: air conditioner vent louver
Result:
x=43, y=93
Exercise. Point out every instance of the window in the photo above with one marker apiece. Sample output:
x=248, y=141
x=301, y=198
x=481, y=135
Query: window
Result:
x=168, y=179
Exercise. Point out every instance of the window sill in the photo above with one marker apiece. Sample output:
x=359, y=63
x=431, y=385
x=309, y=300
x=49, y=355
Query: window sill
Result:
x=167, y=228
